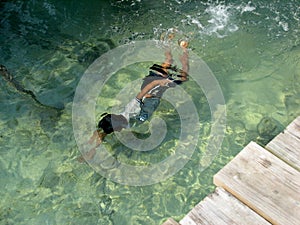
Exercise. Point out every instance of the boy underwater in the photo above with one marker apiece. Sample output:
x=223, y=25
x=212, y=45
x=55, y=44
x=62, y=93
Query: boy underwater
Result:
x=141, y=108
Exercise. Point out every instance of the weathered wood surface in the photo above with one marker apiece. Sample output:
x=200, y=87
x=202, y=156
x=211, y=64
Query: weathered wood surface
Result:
x=260, y=182
x=294, y=127
x=222, y=208
x=265, y=183
x=170, y=221
x=286, y=145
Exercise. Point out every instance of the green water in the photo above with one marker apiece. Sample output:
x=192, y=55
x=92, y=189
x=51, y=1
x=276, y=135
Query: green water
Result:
x=252, y=49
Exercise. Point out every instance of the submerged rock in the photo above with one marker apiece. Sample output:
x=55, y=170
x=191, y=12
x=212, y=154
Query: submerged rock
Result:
x=267, y=129
x=85, y=52
x=266, y=126
x=49, y=179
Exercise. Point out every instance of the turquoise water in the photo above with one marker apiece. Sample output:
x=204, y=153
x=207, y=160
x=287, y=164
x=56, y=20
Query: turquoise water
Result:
x=252, y=49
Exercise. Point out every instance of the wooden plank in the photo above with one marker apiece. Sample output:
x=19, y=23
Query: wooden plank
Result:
x=264, y=183
x=222, y=208
x=294, y=127
x=287, y=147
x=170, y=221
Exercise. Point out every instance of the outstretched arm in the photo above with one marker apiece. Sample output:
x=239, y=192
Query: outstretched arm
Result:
x=184, y=59
x=98, y=136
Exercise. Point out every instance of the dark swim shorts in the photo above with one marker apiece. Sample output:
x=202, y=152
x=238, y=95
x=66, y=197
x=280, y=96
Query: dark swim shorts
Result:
x=148, y=108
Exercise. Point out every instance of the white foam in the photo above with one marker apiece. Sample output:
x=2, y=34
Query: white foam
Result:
x=220, y=20
x=216, y=19
x=284, y=25
x=197, y=22
x=246, y=8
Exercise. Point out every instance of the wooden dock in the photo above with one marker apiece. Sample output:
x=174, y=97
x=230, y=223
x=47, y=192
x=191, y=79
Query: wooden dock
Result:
x=259, y=186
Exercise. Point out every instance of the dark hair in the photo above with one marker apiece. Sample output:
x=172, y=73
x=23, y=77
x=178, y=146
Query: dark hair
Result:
x=159, y=68
x=112, y=122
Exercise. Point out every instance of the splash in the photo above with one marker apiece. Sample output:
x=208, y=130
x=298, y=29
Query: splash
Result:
x=212, y=19
x=220, y=22
x=218, y=19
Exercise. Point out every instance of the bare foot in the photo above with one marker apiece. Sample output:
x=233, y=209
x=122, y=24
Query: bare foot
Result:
x=182, y=43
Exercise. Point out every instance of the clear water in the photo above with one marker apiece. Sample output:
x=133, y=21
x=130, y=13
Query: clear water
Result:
x=251, y=47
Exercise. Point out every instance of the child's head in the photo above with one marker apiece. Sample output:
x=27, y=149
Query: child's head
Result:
x=112, y=122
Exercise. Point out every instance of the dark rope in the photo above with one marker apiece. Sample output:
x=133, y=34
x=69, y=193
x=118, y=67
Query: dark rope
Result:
x=10, y=79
